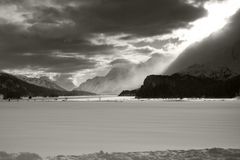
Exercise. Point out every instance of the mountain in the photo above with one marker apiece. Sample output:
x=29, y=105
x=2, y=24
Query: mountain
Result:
x=42, y=82
x=187, y=86
x=109, y=84
x=222, y=48
x=64, y=81
x=125, y=75
x=213, y=72
x=128, y=92
x=12, y=87
x=195, y=81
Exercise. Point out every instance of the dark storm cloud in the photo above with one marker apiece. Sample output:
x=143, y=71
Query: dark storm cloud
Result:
x=66, y=26
x=50, y=63
x=11, y=1
x=15, y=43
x=45, y=39
x=135, y=17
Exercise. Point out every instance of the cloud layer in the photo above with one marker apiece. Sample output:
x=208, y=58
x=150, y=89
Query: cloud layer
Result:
x=57, y=35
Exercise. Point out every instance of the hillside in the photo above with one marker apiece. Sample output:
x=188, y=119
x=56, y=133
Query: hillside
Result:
x=186, y=86
x=12, y=87
x=196, y=81
x=42, y=82
x=107, y=84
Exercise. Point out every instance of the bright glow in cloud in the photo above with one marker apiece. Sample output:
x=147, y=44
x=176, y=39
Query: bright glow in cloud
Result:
x=217, y=18
x=10, y=14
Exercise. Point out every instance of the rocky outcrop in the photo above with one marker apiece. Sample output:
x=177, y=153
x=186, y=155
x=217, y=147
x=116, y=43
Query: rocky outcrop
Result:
x=128, y=93
x=187, y=86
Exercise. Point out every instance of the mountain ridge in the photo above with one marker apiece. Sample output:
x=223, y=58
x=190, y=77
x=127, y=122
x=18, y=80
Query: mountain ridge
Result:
x=13, y=87
x=206, y=71
x=41, y=81
x=125, y=76
x=184, y=85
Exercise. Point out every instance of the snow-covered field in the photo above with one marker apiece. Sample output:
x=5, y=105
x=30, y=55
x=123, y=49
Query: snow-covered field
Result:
x=76, y=127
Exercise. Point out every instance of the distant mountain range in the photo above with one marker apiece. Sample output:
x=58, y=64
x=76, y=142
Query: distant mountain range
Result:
x=13, y=87
x=107, y=84
x=41, y=81
x=125, y=75
x=194, y=82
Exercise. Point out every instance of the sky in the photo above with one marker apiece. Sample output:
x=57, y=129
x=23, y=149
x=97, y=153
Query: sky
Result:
x=74, y=40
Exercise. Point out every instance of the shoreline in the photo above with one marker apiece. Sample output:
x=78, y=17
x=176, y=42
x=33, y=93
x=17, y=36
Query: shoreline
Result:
x=132, y=100
x=199, y=154
x=115, y=99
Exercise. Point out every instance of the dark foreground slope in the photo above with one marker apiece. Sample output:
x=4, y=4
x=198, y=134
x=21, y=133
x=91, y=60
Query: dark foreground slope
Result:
x=203, y=154
x=12, y=87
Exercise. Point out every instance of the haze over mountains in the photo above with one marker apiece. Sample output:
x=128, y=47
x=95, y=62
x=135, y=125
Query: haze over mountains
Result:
x=125, y=74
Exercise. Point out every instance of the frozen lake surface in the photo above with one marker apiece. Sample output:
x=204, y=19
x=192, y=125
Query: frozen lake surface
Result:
x=50, y=128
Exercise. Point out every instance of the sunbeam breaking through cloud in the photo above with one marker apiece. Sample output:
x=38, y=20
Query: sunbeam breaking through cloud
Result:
x=78, y=40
